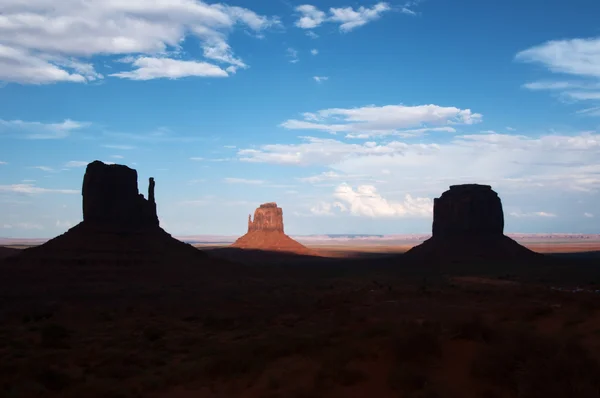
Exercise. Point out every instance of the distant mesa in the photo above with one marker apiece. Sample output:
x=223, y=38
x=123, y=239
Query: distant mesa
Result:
x=266, y=232
x=119, y=225
x=468, y=225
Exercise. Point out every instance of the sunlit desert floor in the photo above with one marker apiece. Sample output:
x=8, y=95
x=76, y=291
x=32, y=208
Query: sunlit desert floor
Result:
x=342, y=325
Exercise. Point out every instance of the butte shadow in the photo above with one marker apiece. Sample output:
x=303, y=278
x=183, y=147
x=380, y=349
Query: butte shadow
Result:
x=119, y=227
x=468, y=227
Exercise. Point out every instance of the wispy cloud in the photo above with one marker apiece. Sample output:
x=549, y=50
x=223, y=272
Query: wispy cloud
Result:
x=576, y=57
x=233, y=180
x=532, y=214
x=32, y=189
x=148, y=68
x=76, y=163
x=119, y=146
x=320, y=79
x=41, y=131
x=44, y=168
x=314, y=51
x=348, y=18
x=292, y=54
x=381, y=120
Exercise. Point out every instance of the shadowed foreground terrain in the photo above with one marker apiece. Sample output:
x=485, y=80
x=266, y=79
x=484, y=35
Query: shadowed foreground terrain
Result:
x=318, y=327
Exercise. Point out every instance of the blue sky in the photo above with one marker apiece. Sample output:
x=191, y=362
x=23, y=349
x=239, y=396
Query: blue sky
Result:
x=351, y=115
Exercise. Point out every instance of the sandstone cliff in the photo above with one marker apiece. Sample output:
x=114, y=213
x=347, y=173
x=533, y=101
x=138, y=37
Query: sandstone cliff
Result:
x=268, y=217
x=119, y=225
x=266, y=232
x=468, y=226
x=110, y=196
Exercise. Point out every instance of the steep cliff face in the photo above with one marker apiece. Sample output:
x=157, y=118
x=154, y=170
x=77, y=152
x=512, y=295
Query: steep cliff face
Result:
x=268, y=217
x=111, y=197
x=467, y=210
x=468, y=226
x=119, y=225
x=266, y=232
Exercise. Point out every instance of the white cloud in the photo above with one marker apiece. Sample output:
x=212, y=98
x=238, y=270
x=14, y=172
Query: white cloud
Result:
x=42, y=131
x=532, y=214
x=579, y=57
x=312, y=34
x=119, y=146
x=382, y=120
x=76, y=163
x=555, y=162
x=327, y=209
x=310, y=17
x=594, y=111
x=63, y=224
x=197, y=159
x=583, y=95
x=19, y=66
x=350, y=19
x=42, y=43
x=347, y=18
x=232, y=180
x=314, y=51
x=588, y=215
x=229, y=146
x=44, y=168
x=320, y=79
x=560, y=85
x=366, y=201
x=3, y=162
x=293, y=55
x=403, y=133
x=148, y=68
x=329, y=176
x=32, y=189
x=23, y=225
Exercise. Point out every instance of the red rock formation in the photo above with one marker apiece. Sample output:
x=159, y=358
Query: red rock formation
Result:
x=119, y=225
x=468, y=226
x=268, y=217
x=266, y=232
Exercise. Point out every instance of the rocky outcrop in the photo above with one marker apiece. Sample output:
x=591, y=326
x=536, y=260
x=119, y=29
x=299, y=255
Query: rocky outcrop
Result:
x=119, y=225
x=468, y=210
x=468, y=226
x=266, y=232
x=268, y=217
x=111, y=197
